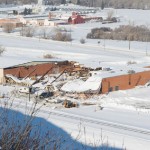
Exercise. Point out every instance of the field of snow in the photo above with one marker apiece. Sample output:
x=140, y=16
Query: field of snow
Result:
x=130, y=108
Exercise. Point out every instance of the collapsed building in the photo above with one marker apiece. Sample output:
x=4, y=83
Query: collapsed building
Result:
x=36, y=68
x=108, y=80
x=83, y=81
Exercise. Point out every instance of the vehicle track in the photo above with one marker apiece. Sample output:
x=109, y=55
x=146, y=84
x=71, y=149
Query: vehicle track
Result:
x=101, y=122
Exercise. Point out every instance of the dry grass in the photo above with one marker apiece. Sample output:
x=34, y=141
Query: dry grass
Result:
x=124, y=32
x=48, y=56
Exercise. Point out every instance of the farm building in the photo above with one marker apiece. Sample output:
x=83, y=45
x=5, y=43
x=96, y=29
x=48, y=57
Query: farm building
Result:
x=36, y=68
x=54, y=22
x=14, y=22
x=76, y=19
x=88, y=18
x=35, y=22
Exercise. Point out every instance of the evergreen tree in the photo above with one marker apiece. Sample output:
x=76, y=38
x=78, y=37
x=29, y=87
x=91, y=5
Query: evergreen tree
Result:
x=25, y=11
x=78, y=2
x=63, y=1
x=102, y=5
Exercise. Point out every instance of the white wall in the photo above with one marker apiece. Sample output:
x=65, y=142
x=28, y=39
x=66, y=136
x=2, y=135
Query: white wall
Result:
x=2, y=79
x=41, y=2
x=49, y=23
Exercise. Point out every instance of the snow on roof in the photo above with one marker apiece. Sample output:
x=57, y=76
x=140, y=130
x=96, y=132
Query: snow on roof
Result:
x=73, y=6
x=15, y=8
x=57, y=21
x=72, y=86
x=118, y=71
x=92, y=84
x=12, y=62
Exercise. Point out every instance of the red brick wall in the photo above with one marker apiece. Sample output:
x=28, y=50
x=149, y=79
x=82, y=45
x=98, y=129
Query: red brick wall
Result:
x=78, y=20
x=125, y=81
x=22, y=72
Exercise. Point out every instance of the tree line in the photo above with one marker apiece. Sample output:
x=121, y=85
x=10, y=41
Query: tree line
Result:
x=119, y=4
x=124, y=32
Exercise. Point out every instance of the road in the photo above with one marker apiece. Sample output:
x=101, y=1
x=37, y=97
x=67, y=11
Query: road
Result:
x=85, y=50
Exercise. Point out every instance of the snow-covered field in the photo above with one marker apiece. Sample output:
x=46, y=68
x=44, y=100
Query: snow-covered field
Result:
x=128, y=108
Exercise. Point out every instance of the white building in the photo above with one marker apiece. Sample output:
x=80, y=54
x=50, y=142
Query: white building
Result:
x=54, y=22
x=41, y=2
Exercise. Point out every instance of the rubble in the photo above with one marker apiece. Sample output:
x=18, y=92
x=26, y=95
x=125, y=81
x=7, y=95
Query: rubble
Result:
x=66, y=88
x=69, y=104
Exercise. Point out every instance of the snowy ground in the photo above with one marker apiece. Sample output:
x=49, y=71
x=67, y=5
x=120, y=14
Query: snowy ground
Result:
x=121, y=128
x=130, y=107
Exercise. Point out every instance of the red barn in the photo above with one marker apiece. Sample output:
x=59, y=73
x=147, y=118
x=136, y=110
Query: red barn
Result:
x=76, y=19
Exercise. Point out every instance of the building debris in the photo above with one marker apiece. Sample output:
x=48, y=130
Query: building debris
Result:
x=65, y=82
x=69, y=104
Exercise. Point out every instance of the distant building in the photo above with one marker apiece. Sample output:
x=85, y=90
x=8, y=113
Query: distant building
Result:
x=35, y=68
x=41, y=2
x=15, y=22
x=54, y=22
x=44, y=2
x=76, y=19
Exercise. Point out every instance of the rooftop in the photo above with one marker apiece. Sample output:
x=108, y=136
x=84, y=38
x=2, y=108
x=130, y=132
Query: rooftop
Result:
x=4, y=64
x=111, y=72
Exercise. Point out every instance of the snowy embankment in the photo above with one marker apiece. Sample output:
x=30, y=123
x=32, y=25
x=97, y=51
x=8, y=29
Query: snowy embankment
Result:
x=122, y=128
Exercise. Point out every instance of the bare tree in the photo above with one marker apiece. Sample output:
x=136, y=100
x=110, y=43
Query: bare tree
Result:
x=27, y=31
x=45, y=33
x=124, y=32
x=8, y=27
x=2, y=50
x=61, y=36
x=48, y=56
x=110, y=14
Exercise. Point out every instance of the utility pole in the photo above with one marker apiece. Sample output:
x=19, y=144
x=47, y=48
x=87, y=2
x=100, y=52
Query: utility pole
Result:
x=146, y=44
x=129, y=44
x=104, y=43
x=70, y=35
x=147, y=35
x=129, y=41
x=30, y=88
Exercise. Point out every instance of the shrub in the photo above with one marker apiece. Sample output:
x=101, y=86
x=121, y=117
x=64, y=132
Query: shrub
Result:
x=8, y=27
x=48, y=56
x=131, y=62
x=59, y=36
x=82, y=41
x=27, y=31
x=124, y=32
